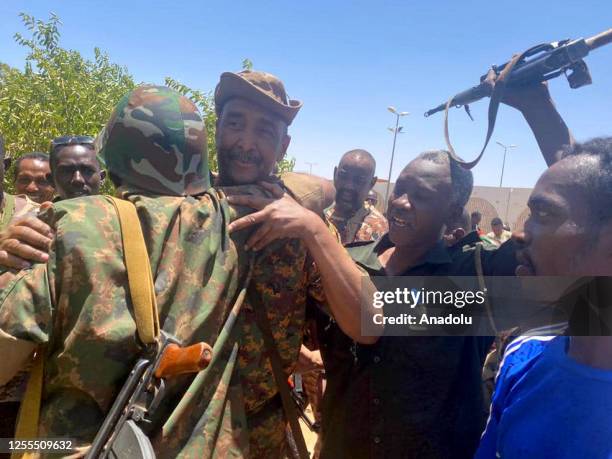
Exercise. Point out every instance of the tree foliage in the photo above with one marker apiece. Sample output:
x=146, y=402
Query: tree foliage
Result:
x=60, y=92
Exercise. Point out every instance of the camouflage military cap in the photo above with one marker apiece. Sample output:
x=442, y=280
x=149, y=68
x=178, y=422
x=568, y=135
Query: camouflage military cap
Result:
x=155, y=141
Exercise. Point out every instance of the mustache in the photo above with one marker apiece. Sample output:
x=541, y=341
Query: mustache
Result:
x=341, y=192
x=245, y=156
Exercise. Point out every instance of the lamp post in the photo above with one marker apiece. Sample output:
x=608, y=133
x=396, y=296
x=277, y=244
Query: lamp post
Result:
x=310, y=166
x=396, y=130
x=506, y=148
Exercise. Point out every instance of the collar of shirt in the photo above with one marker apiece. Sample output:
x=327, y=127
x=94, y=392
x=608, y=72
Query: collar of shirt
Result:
x=359, y=214
x=366, y=254
x=469, y=239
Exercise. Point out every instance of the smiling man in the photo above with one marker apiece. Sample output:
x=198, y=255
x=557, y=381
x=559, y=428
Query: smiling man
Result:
x=422, y=396
x=33, y=178
x=253, y=118
x=353, y=179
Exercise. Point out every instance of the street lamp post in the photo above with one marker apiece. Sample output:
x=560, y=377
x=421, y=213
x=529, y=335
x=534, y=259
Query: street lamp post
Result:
x=506, y=148
x=397, y=129
x=310, y=166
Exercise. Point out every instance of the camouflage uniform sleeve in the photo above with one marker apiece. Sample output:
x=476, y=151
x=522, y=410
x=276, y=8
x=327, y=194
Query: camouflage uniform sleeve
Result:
x=25, y=305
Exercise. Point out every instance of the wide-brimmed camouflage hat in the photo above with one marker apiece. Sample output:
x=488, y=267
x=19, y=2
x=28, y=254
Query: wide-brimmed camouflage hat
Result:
x=260, y=87
x=155, y=141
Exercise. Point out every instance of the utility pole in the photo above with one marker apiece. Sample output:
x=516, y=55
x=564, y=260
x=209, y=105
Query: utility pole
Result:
x=310, y=166
x=396, y=130
x=506, y=148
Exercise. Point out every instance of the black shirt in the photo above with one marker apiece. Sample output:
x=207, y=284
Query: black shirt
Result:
x=413, y=397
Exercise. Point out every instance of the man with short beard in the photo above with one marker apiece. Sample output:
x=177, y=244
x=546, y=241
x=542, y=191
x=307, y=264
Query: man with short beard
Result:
x=253, y=118
x=353, y=179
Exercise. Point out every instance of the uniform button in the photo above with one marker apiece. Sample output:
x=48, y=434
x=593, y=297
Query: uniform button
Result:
x=377, y=440
x=376, y=359
x=376, y=401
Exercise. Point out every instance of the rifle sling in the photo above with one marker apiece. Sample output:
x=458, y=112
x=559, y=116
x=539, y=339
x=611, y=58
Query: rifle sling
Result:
x=29, y=411
x=142, y=294
x=496, y=97
x=140, y=278
x=261, y=318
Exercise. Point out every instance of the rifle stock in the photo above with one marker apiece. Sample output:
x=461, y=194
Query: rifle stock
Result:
x=120, y=435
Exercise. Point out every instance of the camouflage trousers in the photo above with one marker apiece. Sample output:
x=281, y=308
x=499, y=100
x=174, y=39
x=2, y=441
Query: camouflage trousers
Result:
x=267, y=428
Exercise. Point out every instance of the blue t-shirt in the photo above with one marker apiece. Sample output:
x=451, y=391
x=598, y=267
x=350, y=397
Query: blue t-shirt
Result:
x=547, y=405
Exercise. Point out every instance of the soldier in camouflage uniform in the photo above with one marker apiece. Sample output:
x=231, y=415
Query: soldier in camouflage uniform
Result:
x=283, y=277
x=355, y=219
x=254, y=113
x=76, y=306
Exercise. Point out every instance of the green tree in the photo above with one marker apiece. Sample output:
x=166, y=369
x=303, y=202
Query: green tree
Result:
x=59, y=92
x=205, y=102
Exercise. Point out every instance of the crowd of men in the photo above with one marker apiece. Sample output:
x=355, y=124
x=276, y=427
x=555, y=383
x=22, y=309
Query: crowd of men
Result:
x=271, y=271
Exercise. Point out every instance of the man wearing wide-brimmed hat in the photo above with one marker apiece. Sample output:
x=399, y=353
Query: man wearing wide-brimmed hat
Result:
x=254, y=113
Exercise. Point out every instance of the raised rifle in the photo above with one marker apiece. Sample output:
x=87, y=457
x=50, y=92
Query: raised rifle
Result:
x=539, y=63
x=122, y=434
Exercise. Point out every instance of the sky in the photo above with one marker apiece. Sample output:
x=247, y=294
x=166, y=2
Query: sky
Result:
x=348, y=61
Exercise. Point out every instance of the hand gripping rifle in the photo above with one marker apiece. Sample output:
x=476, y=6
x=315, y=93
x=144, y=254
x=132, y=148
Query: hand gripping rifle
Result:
x=539, y=63
x=122, y=434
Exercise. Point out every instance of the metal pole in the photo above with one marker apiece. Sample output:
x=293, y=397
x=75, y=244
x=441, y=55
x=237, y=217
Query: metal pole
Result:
x=397, y=117
x=310, y=166
x=501, y=179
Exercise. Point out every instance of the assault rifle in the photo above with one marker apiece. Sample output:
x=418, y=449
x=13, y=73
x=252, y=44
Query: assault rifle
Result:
x=301, y=402
x=540, y=63
x=122, y=434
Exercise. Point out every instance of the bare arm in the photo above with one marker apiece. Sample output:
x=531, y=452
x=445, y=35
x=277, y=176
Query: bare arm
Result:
x=545, y=122
x=343, y=282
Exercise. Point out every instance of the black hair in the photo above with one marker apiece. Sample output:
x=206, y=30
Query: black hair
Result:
x=594, y=173
x=55, y=151
x=462, y=180
x=496, y=221
x=34, y=156
x=358, y=153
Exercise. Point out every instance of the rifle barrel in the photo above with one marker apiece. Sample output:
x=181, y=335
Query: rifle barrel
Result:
x=600, y=39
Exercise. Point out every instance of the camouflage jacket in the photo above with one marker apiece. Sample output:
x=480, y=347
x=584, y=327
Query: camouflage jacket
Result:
x=194, y=264
x=284, y=279
x=18, y=206
x=367, y=224
x=79, y=300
